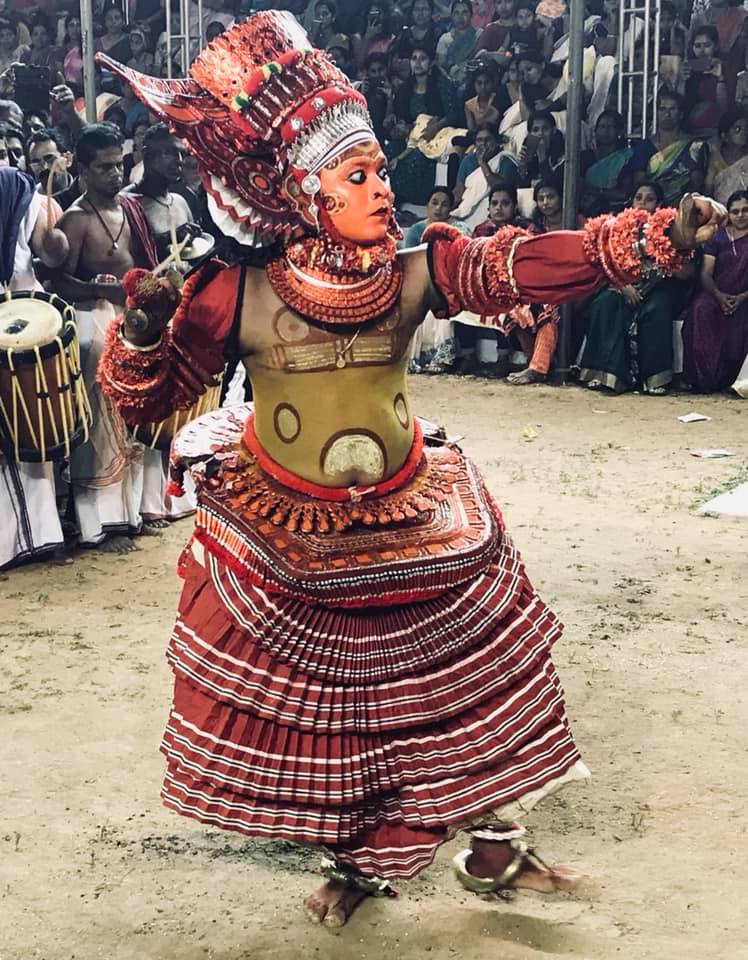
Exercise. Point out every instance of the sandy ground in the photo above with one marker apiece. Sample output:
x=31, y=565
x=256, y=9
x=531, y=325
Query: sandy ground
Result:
x=654, y=662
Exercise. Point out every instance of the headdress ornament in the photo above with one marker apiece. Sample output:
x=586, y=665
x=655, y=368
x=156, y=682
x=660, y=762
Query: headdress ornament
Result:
x=263, y=113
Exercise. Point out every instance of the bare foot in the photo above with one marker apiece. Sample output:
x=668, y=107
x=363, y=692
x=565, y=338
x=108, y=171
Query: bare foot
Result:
x=523, y=377
x=153, y=527
x=118, y=545
x=490, y=859
x=332, y=903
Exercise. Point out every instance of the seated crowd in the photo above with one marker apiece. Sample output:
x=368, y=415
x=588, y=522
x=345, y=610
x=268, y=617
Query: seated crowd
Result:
x=469, y=101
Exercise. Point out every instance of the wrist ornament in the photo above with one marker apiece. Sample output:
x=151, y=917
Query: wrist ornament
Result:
x=633, y=245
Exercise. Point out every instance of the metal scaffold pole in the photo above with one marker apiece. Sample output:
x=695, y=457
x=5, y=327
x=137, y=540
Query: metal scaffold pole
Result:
x=89, y=66
x=574, y=115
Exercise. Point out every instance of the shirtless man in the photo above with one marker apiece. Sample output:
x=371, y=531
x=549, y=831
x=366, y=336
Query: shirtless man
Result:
x=164, y=210
x=106, y=236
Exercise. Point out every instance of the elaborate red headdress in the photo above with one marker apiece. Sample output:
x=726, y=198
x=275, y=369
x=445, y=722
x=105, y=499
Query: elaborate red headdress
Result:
x=262, y=112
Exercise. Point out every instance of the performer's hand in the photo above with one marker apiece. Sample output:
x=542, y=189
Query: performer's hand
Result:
x=698, y=220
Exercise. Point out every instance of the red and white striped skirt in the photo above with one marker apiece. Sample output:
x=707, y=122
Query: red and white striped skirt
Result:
x=372, y=726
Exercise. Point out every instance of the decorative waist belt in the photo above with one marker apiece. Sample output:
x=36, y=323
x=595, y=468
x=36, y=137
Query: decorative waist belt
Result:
x=423, y=531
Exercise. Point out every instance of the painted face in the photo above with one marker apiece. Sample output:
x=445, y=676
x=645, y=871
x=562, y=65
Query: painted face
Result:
x=703, y=48
x=460, y=16
x=421, y=13
x=484, y=85
x=525, y=18
x=549, y=201
x=355, y=191
x=543, y=130
x=738, y=214
x=420, y=63
x=737, y=135
x=501, y=208
x=645, y=199
x=104, y=174
x=437, y=209
x=530, y=72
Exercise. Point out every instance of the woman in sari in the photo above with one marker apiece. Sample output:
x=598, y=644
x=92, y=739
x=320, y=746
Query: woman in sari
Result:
x=609, y=180
x=715, y=332
x=376, y=38
x=454, y=47
x=629, y=341
x=487, y=167
x=427, y=91
x=728, y=158
x=704, y=89
x=731, y=22
x=675, y=160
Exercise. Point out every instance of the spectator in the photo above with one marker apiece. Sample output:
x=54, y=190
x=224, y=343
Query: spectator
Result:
x=136, y=157
x=609, y=179
x=673, y=35
x=487, y=99
x=114, y=42
x=487, y=167
x=44, y=156
x=536, y=84
x=715, y=332
x=11, y=113
x=728, y=161
x=484, y=12
x=42, y=53
x=493, y=43
x=142, y=59
x=11, y=51
x=14, y=146
x=502, y=211
x=729, y=19
x=527, y=32
x=421, y=32
x=676, y=161
x=548, y=212
x=704, y=84
x=426, y=92
x=542, y=153
x=629, y=333
x=455, y=47
x=340, y=52
x=377, y=37
x=378, y=92
x=72, y=65
x=438, y=207
x=323, y=24
x=4, y=157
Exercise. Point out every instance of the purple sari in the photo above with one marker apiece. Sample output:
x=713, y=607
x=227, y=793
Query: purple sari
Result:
x=715, y=345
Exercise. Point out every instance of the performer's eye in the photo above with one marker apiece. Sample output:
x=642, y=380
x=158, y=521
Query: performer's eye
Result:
x=357, y=177
x=384, y=173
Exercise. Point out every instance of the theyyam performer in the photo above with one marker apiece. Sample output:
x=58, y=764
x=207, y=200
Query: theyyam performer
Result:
x=360, y=660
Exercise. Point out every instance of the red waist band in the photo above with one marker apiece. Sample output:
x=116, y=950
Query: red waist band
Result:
x=316, y=490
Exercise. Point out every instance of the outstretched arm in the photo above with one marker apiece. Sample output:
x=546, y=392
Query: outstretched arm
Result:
x=490, y=276
x=167, y=349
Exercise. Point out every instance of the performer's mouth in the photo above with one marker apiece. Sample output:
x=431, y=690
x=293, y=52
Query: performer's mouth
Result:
x=381, y=212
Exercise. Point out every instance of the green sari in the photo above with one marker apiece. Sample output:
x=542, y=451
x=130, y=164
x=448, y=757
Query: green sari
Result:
x=672, y=167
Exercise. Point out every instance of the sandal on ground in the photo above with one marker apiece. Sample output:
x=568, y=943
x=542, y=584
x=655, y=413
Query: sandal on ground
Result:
x=523, y=856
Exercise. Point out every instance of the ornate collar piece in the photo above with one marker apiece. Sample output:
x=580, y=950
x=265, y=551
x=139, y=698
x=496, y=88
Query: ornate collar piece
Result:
x=339, y=284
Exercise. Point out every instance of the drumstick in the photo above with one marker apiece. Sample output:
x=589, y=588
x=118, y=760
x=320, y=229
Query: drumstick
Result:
x=176, y=249
x=56, y=163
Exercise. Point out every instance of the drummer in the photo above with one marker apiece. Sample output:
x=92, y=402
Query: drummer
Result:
x=168, y=213
x=28, y=505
